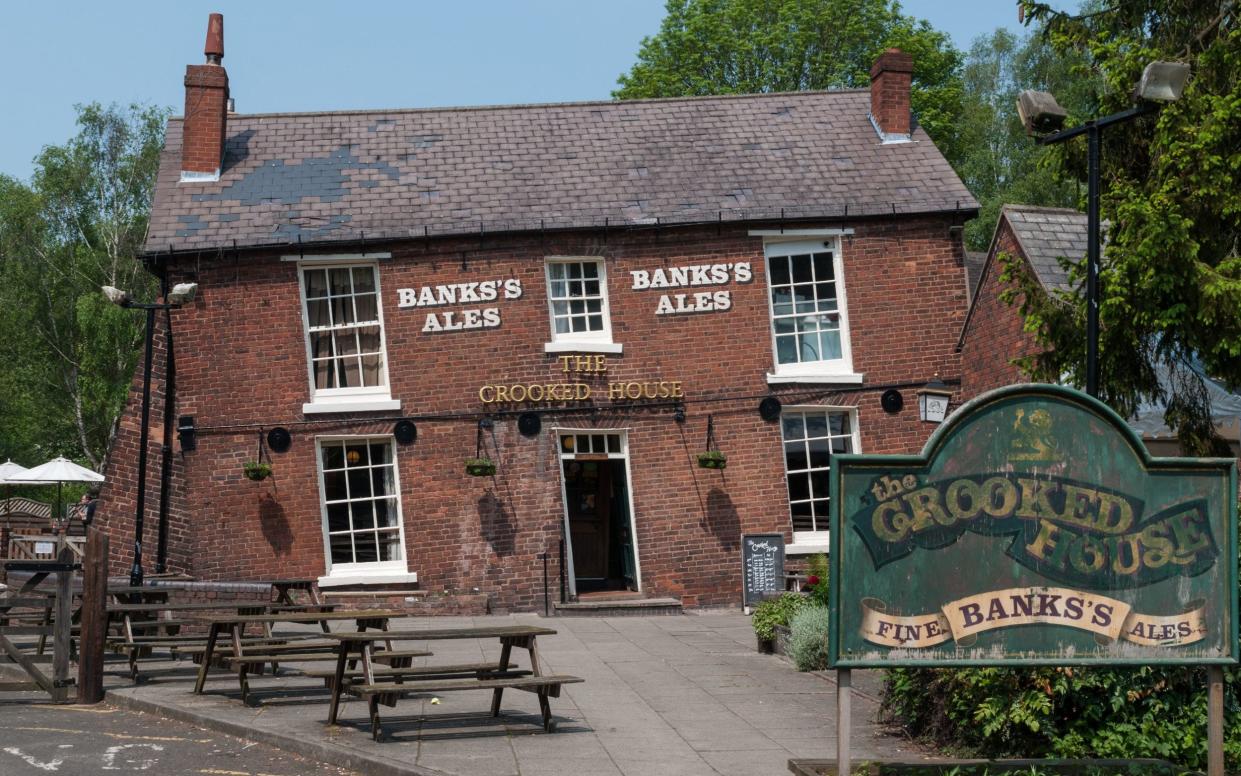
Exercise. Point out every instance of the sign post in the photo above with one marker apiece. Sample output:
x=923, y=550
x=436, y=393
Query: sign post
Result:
x=1034, y=506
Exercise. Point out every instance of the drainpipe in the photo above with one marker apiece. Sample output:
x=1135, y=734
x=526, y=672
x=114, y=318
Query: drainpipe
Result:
x=165, y=474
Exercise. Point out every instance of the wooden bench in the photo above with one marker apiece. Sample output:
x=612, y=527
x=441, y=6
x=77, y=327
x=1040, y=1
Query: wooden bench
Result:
x=388, y=692
x=398, y=673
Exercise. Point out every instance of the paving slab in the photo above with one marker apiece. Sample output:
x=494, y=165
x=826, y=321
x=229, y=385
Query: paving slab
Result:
x=680, y=695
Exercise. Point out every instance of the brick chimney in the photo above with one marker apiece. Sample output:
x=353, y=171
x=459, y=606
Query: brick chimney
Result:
x=890, y=80
x=206, y=110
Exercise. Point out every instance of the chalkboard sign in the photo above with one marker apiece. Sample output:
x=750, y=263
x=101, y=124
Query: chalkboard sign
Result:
x=762, y=565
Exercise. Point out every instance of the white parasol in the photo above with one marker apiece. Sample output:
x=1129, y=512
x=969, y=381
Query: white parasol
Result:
x=13, y=474
x=60, y=471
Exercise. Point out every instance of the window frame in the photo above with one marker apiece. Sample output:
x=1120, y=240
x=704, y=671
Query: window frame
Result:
x=358, y=570
x=814, y=541
x=839, y=368
x=359, y=395
x=599, y=341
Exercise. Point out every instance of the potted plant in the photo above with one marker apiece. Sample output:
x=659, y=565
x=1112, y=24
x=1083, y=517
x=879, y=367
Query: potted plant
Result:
x=480, y=467
x=256, y=470
x=712, y=459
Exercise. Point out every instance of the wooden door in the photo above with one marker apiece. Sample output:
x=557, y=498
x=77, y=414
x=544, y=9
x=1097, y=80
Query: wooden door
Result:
x=588, y=489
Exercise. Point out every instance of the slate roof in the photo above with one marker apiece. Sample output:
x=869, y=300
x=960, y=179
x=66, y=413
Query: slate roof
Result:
x=1046, y=234
x=974, y=262
x=322, y=177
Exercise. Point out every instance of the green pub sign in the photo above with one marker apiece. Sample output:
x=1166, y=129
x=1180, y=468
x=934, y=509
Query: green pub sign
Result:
x=1033, y=529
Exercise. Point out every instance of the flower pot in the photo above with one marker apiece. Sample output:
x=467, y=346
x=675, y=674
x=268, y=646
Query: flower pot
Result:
x=256, y=470
x=712, y=459
x=765, y=646
x=480, y=467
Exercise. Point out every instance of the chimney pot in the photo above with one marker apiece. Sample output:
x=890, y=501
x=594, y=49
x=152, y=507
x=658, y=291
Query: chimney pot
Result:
x=214, y=48
x=890, y=80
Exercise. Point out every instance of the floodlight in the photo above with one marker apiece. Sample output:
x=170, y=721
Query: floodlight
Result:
x=1162, y=81
x=1039, y=112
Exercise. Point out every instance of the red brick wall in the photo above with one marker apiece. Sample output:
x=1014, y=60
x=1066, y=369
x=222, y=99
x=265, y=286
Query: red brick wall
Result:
x=995, y=337
x=241, y=368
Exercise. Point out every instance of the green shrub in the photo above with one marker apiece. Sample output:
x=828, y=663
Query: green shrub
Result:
x=1149, y=711
x=776, y=611
x=808, y=640
x=816, y=569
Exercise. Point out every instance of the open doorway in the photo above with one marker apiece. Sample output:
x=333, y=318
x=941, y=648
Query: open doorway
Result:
x=599, y=527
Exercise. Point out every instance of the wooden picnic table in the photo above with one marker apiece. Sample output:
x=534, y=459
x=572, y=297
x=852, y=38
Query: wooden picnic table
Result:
x=385, y=686
x=234, y=627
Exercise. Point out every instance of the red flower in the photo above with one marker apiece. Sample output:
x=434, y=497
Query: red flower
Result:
x=812, y=580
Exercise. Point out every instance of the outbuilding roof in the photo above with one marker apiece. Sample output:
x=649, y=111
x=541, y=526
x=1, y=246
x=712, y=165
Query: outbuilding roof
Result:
x=324, y=177
x=1046, y=235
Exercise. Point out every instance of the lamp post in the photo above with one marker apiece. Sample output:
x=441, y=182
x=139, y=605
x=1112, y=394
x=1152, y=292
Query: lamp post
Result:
x=182, y=293
x=1040, y=113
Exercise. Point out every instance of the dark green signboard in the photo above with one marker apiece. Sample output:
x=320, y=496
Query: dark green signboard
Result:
x=1033, y=529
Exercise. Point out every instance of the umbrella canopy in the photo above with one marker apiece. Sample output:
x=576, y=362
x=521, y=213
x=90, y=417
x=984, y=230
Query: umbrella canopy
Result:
x=13, y=474
x=60, y=470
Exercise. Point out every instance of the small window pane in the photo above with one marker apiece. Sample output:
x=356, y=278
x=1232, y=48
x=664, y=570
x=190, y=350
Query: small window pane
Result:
x=590, y=269
x=389, y=546
x=363, y=514
x=321, y=344
x=359, y=483
x=820, y=454
x=356, y=454
x=780, y=271
x=799, y=487
x=363, y=279
x=385, y=514
x=338, y=517
x=365, y=548
x=793, y=425
x=333, y=456
x=575, y=269
x=583, y=443
x=795, y=455
x=816, y=425
x=350, y=373
x=334, y=486
x=342, y=310
x=341, y=547
x=316, y=283
x=818, y=483
x=367, y=307
x=823, y=267
x=340, y=281
x=801, y=269
x=803, y=517
x=596, y=323
x=614, y=445
x=346, y=342
x=317, y=313
x=381, y=454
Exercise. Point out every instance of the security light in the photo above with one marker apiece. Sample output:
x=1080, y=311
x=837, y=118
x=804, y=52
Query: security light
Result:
x=1039, y=112
x=1162, y=81
x=116, y=296
x=182, y=293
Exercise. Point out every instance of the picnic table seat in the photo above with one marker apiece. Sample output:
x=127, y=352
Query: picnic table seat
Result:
x=388, y=693
x=397, y=673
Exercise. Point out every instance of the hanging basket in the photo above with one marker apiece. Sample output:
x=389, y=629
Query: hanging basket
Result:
x=480, y=467
x=256, y=470
x=712, y=459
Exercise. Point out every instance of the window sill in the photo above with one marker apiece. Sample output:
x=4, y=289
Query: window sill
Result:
x=804, y=547
x=582, y=347
x=326, y=406
x=369, y=578
x=825, y=378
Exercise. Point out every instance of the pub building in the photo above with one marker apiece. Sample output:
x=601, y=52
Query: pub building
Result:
x=586, y=296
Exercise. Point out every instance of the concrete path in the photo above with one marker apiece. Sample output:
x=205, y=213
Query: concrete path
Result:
x=682, y=696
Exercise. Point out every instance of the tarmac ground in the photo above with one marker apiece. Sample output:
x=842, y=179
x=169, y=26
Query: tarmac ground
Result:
x=683, y=695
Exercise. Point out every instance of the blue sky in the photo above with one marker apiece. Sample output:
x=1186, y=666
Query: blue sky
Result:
x=316, y=55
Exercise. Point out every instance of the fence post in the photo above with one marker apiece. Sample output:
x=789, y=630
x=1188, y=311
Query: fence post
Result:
x=62, y=628
x=94, y=617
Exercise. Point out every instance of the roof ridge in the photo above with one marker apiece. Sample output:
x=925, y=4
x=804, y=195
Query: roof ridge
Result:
x=541, y=105
x=1014, y=206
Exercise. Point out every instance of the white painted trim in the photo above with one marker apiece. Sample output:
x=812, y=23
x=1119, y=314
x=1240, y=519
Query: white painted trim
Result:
x=855, y=436
x=801, y=232
x=331, y=396
x=840, y=366
x=807, y=548
x=200, y=177
x=580, y=341
x=824, y=378
x=583, y=347
x=322, y=407
x=369, y=573
x=338, y=258
x=370, y=578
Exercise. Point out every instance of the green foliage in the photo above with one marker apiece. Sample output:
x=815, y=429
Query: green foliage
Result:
x=78, y=224
x=1152, y=711
x=996, y=160
x=808, y=638
x=817, y=569
x=776, y=611
x=754, y=46
x=1171, y=194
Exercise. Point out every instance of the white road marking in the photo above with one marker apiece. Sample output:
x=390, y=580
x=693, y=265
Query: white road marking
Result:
x=109, y=757
x=50, y=765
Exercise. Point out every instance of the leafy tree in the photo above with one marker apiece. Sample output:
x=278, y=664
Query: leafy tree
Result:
x=997, y=161
x=78, y=225
x=751, y=46
x=1171, y=194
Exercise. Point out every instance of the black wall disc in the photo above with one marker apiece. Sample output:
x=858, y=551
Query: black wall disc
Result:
x=529, y=423
x=279, y=439
x=769, y=408
x=405, y=431
x=892, y=400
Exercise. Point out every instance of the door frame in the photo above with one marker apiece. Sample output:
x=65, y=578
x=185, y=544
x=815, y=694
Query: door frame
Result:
x=561, y=457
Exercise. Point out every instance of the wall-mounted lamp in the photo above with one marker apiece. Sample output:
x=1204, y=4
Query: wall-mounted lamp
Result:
x=679, y=413
x=933, y=401
x=187, y=434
